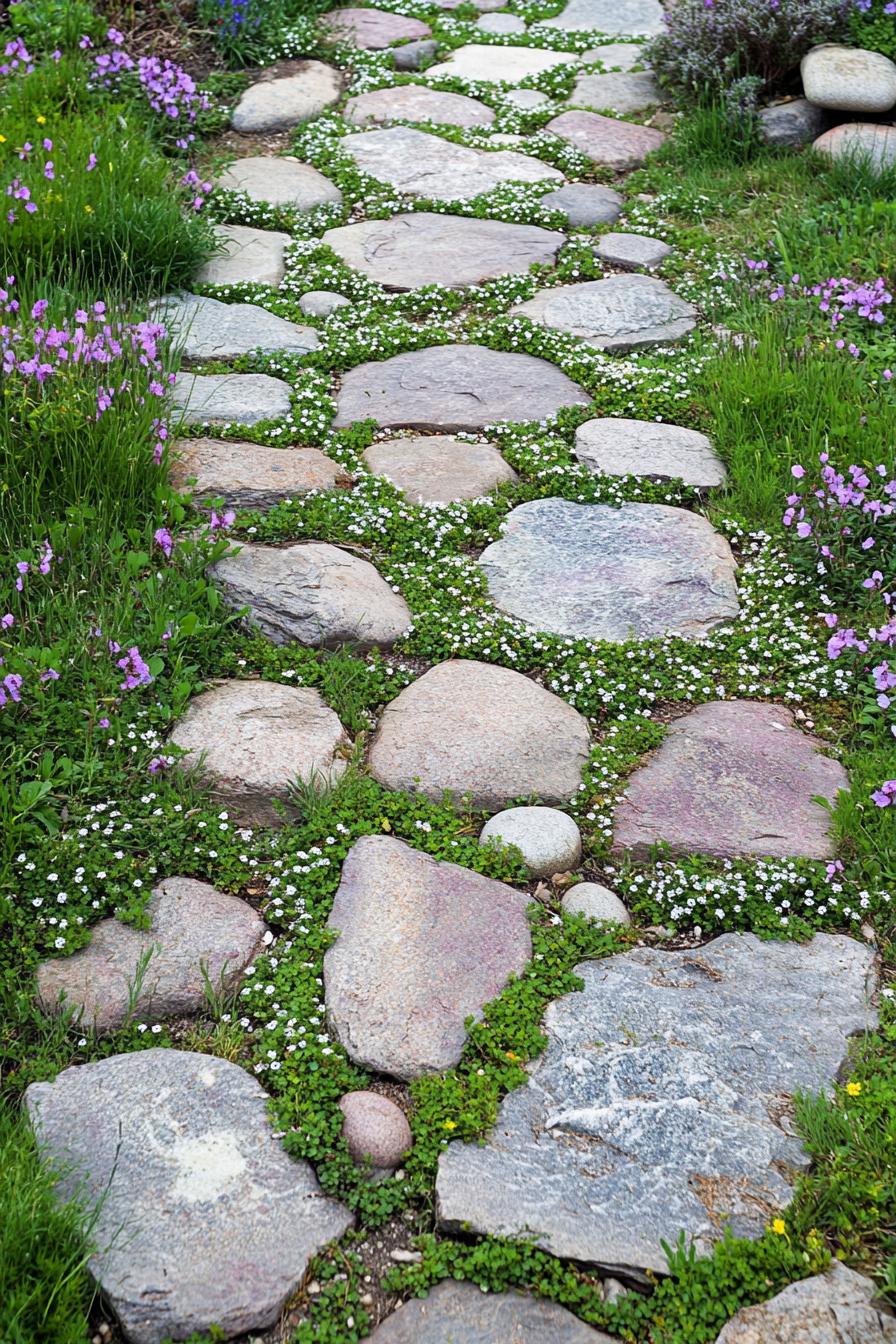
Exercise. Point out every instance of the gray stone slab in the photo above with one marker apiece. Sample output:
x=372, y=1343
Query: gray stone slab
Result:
x=526, y=98
x=202, y=1219
x=473, y=728
x=280, y=180
x=409, y=251
x=416, y=102
x=632, y=251
x=661, y=1102
x=460, y=1313
x=621, y=92
x=635, y=18
x=731, y=779
x=373, y=29
x=252, y=740
x=618, y=55
x=837, y=1307
x=276, y=104
x=585, y=204
x=247, y=256
x=454, y=387
x=414, y=55
x=322, y=303
x=419, y=164
x=485, y=63
x=439, y=468
x=248, y=475
x=798, y=122
x=607, y=140
x=872, y=144
x=849, y=79
x=617, y=447
x=229, y=398
x=590, y=571
x=191, y=926
x=484, y=6
x=501, y=24
x=204, y=328
x=422, y=946
x=623, y=312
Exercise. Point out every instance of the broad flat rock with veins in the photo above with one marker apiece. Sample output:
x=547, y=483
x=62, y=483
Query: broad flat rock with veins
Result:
x=607, y=140
x=489, y=64
x=419, y=164
x=454, y=387
x=620, y=447
x=374, y=29
x=415, y=102
x=636, y=18
x=656, y=1106
x=623, y=312
x=279, y=180
x=837, y=1307
x=590, y=571
x=732, y=779
x=408, y=251
x=204, y=328
x=279, y=103
x=460, y=1313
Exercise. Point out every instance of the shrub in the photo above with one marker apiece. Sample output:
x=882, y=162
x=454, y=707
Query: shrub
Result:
x=872, y=24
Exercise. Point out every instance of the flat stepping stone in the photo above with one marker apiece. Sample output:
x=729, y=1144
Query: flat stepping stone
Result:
x=416, y=102
x=280, y=180
x=278, y=103
x=839, y=1305
x=252, y=740
x=409, y=251
x=374, y=29
x=461, y=1312
x=621, y=92
x=849, y=79
x=590, y=571
x=419, y=164
x=454, y=387
x=422, y=946
x=501, y=24
x=871, y=144
x=482, y=63
x=249, y=475
x=607, y=140
x=636, y=18
x=249, y=256
x=585, y=204
x=734, y=778
x=439, y=469
x=191, y=926
x=526, y=98
x=178, y=1155
x=617, y=447
x=618, y=55
x=632, y=251
x=481, y=730
x=314, y=594
x=484, y=6
x=204, y=328
x=623, y=312
x=548, y=839
x=653, y=1109
x=230, y=398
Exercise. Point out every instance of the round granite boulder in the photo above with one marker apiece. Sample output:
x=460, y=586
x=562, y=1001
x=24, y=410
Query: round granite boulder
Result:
x=859, y=141
x=595, y=902
x=848, y=79
x=548, y=839
x=278, y=102
x=623, y=312
x=375, y=1129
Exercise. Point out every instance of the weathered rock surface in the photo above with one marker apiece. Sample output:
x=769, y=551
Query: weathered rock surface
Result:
x=279, y=103
x=177, y=1153
x=484, y=6
x=656, y=1105
x=280, y=180
x=476, y=729
x=313, y=593
x=632, y=250
x=249, y=475
x=501, y=24
x=460, y=1313
x=595, y=902
x=605, y=140
x=637, y=18
x=795, y=123
x=585, y=203
x=622, y=92
x=409, y=251
x=548, y=839
x=322, y=303
x=416, y=102
x=191, y=926
x=204, y=328
x=414, y=55
x=454, y=387
x=848, y=79
x=229, y=398
x=252, y=740
x=618, y=55
x=732, y=778
x=836, y=1307
x=526, y=98
x=590, y=571
x=422, y=945
x=438, y=469
x=253, y=256
x=375, y=1129
x=618, y=447
x=419, y=164
x=488, y=64
x=623, y=312
x=875, y=145
x=374, y=29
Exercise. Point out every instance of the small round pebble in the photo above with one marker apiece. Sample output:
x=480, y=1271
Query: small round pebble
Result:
x=595, y=902
x=548, y=839
x=375, y=1128
x=322, y=302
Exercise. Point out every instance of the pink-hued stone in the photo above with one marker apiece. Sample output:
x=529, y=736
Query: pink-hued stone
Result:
x=605, y=140
x=374, y=29
x=375, y=1128
x=860, y=140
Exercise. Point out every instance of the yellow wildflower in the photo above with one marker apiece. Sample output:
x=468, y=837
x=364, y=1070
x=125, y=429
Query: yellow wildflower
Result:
x=41, y=121
x=853, y=1089
x=2, y=139
x=450, y=1124
x=779, y=1227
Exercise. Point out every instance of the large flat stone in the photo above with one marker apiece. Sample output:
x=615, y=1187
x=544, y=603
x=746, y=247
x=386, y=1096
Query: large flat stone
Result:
x=438, y=469
x=635, y=18
x=416, y=102
x=278, y=103
x=590, y=571
x=279, y=180
x=482, y=63
x=618, y=55
x=204, y=328
x=374, y=29
x=454, y=387
x=313, y=593
x=730, y=779
x=585, y=203
x=607, y=140
x=623, y=312
x=191, y=926
x=867, y=143
x=249, y=475
x=662, y=1101
x=229, y=398
x=252, y=740
x=460, y=1313
x=202, y=1219
x=473, y=728
x=502, y=25
x=247, y=256
x=422, y=946
x=622, y=92
x=837, y=1307
x=848, y=79
x=409, y=251
x=632, y=251
x=617, y=447
x=419, y=164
